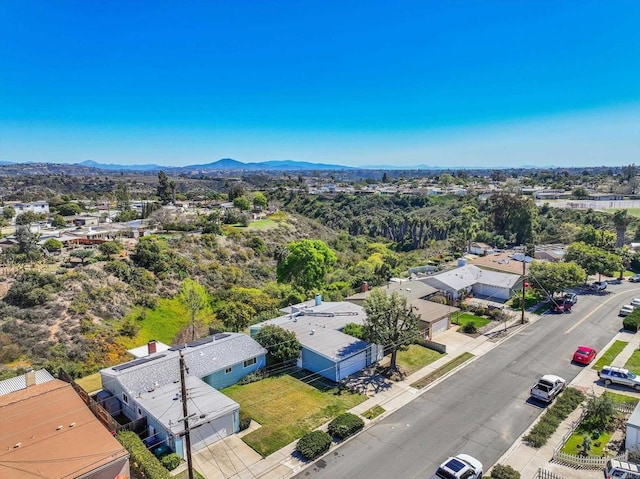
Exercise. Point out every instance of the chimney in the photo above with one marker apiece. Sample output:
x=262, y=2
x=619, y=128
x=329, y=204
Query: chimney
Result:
x=30, y=378
x=365, y=286
x=151, y=346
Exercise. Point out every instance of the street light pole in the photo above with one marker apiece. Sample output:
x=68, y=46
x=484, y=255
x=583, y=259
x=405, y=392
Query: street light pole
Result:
x=524, y=264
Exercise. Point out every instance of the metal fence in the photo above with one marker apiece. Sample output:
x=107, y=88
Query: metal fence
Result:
x=544, y=474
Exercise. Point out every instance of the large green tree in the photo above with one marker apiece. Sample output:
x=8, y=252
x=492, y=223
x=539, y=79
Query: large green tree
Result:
x=281, y=344
x=551, y=278
x=390, y=322
x=235, y=316
x=621, y=221
x=592, y=259
x=306, y=264
x=166, y=188
x=514, y=216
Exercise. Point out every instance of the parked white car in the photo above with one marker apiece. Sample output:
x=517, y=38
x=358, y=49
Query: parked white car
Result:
x=548, y=387
x=626, y=310
x=461, y=466
x=635, y=302
x=611, y=374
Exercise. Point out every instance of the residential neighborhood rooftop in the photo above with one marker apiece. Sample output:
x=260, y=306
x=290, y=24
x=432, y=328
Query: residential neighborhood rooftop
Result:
x=47, y=431
x=10, y=385
x=202, y=357
x=165, y=404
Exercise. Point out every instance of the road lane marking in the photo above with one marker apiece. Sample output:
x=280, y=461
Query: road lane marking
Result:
x=613, y=296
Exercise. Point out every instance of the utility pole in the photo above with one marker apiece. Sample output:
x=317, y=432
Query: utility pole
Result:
x=524, y=264
x=185, y=412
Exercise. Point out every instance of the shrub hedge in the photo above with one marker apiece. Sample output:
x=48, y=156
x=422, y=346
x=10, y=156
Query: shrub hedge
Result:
x=632, y=322
x=313, y=444
x=345, y=425
x=143, y=462
x=170, y=461
x=504, y=472
x=245, y=420
x=551, y=419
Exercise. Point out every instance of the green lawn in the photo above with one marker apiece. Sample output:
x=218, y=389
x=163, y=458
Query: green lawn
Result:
x=621, y=398
x=609, y=355
x=90, y=383
x=575, y=440
x=374, y=412
x=464, y=318
x=442, y=370
x=162, y=323
x=634, y=362
x=287, y=408
x=631, y=211
x=416, y=357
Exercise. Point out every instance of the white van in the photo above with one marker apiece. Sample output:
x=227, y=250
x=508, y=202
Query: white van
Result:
x=621, y=470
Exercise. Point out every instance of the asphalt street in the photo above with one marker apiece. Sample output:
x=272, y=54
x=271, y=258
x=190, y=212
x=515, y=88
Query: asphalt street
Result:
x=482, y=409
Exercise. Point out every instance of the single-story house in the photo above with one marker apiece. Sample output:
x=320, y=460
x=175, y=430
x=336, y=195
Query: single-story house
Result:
x=460, y=281
x=48, y=431
x=505, y=261
x=435, y=318
x=480, y=249
x=143, y=386
x=550, y=252
x=325, y=349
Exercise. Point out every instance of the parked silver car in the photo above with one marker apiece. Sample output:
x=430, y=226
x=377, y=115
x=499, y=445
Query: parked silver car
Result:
x=612, y=374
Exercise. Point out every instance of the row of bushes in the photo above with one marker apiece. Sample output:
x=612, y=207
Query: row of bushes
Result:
x=143, y=462
x=551, y=419
x=316, y=443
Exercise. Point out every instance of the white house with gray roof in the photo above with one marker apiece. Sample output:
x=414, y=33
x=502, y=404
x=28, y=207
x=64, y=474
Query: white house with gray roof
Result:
x=326, y=350
x=494, y=285
x=144, y=385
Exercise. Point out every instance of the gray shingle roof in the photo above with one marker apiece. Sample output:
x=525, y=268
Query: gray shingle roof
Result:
x=201, y=360
x=466, y=276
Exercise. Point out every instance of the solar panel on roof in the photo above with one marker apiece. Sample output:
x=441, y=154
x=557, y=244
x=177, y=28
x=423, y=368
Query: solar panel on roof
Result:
x=200, y=342
x=137, y=362
x=177, y=347
x=221, y=336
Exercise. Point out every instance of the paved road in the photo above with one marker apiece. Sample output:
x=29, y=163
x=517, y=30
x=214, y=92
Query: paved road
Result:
x=485, y=407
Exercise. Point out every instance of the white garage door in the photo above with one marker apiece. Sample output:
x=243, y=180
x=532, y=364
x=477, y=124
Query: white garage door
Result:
x=352, y=365
x=439, y=326
x=491, y=292
x=207, y=434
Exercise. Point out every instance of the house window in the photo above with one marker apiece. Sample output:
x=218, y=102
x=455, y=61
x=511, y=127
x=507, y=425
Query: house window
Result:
x=125, y=398
x=228, y=370
x=249, y=362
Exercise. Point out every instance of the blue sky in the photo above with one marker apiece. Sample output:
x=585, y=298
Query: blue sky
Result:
x=442, y=83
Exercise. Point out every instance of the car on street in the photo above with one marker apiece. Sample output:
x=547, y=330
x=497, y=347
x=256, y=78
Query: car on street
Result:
x=626, y=310
x=611, y=374
x=564, y=307
x=635, y=302
x=584, y=355
x=548, y=387
x=570, y=298
x=635, y=278
x=461, y=466
x=598, y=285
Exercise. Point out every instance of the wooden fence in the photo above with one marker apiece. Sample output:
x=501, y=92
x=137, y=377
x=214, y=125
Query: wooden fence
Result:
x=138, y=426
x=544, y=474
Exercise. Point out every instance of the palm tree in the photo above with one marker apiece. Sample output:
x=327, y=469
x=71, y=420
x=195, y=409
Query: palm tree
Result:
x=621, y=220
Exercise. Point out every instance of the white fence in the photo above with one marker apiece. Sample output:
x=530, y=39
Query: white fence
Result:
x=544, y=474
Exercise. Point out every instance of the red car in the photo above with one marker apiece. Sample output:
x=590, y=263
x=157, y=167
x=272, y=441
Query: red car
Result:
x=584, y=355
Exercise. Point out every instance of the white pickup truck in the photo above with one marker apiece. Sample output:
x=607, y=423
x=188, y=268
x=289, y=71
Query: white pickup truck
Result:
x=548, y=387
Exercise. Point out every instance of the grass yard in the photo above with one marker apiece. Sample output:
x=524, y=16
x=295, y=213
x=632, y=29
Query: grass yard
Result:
x=374, y=412
x=634, y=362
x=464, y=318
x=609, y=355
x=442, y=370
x=90, y=383
x=287, y=408
x=162, y=323
x=416, y=357
x=572, y=446
x=621, y=398
x=265, y=224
